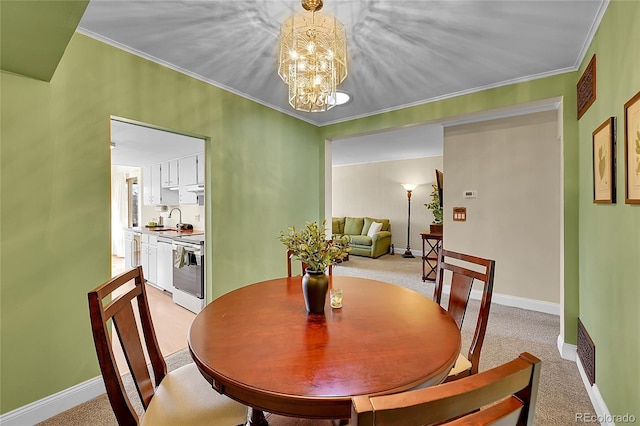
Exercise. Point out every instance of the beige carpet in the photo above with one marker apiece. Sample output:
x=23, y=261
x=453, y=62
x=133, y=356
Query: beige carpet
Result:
x=510, y=332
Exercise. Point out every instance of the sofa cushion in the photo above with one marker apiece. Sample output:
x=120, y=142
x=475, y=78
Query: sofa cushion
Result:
x=361, y=240
x=353, y=225
x=374, y=228
x=384, y=222
x=337, y=225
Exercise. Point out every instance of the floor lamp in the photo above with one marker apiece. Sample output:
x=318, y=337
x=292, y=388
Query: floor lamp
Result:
x=409, y=187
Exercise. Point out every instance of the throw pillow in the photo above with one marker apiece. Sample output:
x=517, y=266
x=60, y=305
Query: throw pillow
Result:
x=374, y=228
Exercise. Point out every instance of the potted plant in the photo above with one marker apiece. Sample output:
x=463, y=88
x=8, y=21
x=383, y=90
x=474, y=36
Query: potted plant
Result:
x=436, y=209
x=310, y=246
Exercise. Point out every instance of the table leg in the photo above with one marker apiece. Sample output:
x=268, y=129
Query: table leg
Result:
x=257, y=418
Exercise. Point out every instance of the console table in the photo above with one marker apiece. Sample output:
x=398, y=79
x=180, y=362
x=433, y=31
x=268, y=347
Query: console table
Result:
x=433, y=242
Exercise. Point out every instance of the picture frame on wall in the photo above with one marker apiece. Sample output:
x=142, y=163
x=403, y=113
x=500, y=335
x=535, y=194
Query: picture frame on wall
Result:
x=632, y=150
x=586, y=88
x=604, y=162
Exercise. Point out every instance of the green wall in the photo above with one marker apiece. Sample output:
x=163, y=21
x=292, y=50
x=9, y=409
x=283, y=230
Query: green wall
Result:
x=55, y=212
x=610, y=234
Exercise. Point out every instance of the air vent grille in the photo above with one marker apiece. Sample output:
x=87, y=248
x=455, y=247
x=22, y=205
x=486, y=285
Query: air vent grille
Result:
x=587, y=352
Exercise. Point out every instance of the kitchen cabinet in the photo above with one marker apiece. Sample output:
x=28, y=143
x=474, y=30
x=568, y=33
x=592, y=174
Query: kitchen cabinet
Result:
x=188, y=170
x=165, y=265
x=169, y=172
x=200, y=170
x=147, y=198
x=174, y=182
x=149, y=257
x=152, y=191
x=151, y=188
x=156, y=187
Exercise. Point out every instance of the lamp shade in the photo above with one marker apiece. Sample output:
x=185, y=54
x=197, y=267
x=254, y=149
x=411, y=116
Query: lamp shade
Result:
x=409, y=186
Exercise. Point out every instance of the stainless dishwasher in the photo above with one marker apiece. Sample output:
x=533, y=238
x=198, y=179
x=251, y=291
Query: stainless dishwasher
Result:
x=188, y=272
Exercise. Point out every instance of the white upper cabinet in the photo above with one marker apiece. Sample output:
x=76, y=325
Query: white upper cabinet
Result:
x=188, y=170
x=152, y=191
x=174, y=182
x=200, y=172
x=151, y=185
x=170, y=174
x=147, y=199
x=156, y=187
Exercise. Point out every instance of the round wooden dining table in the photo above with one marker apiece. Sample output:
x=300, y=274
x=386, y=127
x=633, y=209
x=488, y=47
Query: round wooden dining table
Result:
x=259, y=346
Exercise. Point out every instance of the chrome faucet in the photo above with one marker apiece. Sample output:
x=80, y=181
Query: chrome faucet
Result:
x=179, y=217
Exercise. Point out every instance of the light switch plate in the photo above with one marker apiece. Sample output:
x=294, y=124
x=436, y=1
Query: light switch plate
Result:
x=459, y=214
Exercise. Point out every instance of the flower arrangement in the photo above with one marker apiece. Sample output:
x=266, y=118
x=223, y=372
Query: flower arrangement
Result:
x=310, y=246
x=434, y=205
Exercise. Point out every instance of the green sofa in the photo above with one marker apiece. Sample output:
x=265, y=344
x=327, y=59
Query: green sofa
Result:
x=356, y=229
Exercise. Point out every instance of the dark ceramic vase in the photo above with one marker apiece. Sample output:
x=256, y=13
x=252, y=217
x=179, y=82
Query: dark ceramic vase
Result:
x=314, y=288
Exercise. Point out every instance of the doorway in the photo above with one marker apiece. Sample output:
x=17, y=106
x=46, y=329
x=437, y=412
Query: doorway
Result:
x=140, y=158
x=468, y=171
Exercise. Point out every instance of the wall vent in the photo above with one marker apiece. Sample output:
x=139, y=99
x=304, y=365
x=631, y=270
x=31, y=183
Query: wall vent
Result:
x=587, y=352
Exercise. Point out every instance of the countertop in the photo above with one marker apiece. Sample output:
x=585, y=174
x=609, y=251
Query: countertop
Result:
x=170, y=233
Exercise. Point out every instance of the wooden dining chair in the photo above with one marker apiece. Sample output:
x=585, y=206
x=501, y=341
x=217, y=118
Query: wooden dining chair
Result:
x=304, y=266
x=178, y=397
x=504, y=395
x=463, y=271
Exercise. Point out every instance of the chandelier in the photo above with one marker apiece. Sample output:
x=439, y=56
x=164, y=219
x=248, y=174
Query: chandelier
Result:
x=313, y=58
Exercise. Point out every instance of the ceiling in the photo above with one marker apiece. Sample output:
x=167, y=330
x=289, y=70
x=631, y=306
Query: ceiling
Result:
x=140, y=146
x=401, y=53
x=397, y=144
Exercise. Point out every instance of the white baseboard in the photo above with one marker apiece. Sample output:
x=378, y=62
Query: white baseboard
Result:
x=52, y=405
x=567, y=351
x=522, y=302
x=516, y=302
x=604, y=416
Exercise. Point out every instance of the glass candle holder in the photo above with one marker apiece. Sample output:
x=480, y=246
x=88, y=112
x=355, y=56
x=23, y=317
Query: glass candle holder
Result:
x=336, y=297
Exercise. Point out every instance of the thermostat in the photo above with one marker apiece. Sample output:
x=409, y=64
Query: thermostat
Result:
x=469, y=193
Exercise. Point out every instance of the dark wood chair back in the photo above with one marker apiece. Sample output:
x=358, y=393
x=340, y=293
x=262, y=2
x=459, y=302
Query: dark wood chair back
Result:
x=505, y=394
x=463, y=270
x=130, y=297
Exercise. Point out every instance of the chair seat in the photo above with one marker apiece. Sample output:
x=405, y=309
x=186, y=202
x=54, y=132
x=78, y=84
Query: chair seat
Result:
x=184, y=397
x=462, y=364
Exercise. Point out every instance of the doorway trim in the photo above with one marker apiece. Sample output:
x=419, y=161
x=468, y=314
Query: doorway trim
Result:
x=549, y=104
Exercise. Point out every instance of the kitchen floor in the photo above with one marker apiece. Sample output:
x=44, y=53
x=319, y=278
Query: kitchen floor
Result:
x=171, y=322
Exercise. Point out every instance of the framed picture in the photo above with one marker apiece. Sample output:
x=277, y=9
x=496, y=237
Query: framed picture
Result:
x=632, y=150
x=586, y=87
x=604, y=162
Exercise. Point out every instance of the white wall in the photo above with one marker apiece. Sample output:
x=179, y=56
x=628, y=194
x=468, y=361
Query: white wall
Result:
x=189, y=215
x=375, y=190
x=515, y=165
